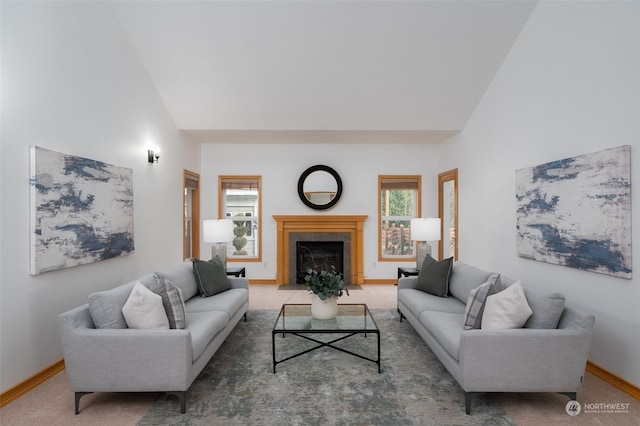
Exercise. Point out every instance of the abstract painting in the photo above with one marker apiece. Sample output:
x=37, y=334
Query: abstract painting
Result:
x=81, y=211
x=576, y=212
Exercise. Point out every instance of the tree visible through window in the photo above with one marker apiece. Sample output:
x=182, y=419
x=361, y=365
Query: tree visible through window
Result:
x=399, y=202
x=239, y=199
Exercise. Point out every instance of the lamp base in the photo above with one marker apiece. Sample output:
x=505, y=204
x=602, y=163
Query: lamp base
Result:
x=220, y=250
x=424, y=249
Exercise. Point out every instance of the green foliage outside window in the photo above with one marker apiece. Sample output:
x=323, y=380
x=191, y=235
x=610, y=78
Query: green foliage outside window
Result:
x=401, y=202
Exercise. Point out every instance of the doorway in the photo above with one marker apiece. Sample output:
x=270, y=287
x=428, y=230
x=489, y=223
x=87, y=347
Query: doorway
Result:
x=448, y=212
x=191, y=215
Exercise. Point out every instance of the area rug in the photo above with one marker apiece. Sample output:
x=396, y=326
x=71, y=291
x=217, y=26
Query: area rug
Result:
x=325, y=386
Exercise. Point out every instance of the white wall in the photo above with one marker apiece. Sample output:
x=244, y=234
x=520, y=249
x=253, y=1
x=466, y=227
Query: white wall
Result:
x=280, y=166
x=71, y=83
x=570, y=86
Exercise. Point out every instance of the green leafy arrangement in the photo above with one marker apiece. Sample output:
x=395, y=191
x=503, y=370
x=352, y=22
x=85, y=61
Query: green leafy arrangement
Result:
x=325, y=283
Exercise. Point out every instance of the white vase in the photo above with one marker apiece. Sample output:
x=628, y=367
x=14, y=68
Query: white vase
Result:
x=324, y=309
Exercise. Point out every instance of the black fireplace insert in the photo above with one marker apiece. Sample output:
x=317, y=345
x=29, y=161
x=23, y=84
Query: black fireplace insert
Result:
x=318, y=255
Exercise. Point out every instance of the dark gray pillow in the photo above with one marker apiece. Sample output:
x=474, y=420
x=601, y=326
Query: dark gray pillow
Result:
x=211, y=276
x=547, y=308
x=434, y=275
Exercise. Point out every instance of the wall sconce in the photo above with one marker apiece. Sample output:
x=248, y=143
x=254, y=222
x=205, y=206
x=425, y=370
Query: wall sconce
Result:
x=427, y=229
x=218, y=232
x=153, y=156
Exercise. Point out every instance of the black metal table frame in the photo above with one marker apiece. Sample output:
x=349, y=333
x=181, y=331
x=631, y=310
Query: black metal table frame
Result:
x=237, y=272
x=321, y=344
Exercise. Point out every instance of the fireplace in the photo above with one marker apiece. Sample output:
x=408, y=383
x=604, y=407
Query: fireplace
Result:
x=318, y=255
x=343, y=228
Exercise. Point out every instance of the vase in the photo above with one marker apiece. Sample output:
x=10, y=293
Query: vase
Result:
x=324, y=309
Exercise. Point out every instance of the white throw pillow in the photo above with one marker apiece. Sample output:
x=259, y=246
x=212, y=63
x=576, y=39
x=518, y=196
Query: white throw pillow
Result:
x=506, y=309
x=144, y=309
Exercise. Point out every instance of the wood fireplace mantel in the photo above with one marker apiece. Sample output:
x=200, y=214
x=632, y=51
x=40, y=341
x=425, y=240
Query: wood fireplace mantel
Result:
x=352, y=224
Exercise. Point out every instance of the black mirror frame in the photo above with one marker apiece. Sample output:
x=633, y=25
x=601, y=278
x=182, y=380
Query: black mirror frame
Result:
x=306, y=174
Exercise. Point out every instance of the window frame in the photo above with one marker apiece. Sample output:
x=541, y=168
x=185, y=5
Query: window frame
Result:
x=191, y=181
x=418, y=213
x=258, y=214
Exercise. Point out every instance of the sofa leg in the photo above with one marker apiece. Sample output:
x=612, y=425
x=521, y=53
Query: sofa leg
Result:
x=245, y=317
x=79, y=395
x=468, y=396
x=182, y=397
x=572, y=395
x=401, y=316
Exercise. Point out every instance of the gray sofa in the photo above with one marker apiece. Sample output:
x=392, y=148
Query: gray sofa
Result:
x=120, y=359
x=504, y=360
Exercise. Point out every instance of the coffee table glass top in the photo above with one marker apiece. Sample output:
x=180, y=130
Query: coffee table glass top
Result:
x=351, y=317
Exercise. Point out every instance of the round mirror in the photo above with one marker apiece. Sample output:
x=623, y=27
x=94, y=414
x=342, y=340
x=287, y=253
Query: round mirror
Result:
x=320, y=187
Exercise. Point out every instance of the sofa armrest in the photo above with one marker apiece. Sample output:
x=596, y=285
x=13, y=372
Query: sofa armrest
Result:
x=122, y=360
x=407, y=282
x=523, y=360
x=239, y=282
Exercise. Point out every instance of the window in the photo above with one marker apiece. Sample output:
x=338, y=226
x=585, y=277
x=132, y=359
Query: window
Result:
x=240, y=199
x=398, y=203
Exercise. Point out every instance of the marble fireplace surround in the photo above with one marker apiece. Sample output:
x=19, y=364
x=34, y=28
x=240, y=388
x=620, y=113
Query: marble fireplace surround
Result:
x=346, y=228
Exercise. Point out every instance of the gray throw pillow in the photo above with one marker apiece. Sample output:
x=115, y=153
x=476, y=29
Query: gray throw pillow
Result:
x=106, y=306
x=477, y=298
x=434, y=275
x=172, y=300
x=547, y=308
x=211, y=276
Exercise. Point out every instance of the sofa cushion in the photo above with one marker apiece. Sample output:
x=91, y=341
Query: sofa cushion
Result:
x=203, y=327
x=106, y=306
x=227, y=301
x=418, y=301
x=211, y=276
x=547, y=308
x=182, y=276
x=434, y=275
x=144, y=309
x=176, y=302
x=476, y=301
x=465, y=278
x=506, y=309
x=171, y=300
x=446, y=328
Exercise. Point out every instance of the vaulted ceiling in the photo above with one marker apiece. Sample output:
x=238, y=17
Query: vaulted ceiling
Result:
x=418, y=67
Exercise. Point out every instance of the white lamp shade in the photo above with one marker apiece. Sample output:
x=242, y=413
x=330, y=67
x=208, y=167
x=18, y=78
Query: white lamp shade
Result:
x=217, y=230
x=425, y=229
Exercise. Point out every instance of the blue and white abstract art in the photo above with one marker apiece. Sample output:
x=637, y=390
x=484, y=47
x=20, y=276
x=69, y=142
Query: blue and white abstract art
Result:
x=576, y=212
x=81, y=211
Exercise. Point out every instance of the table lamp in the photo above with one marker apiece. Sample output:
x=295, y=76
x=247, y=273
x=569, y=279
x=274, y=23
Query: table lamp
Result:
x=218, y=232
x=423, y=230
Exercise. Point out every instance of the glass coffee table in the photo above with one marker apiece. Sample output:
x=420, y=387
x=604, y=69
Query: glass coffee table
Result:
x=352, y=320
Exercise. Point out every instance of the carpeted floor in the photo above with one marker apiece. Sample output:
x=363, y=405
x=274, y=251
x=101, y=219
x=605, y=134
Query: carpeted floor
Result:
x=326, y=386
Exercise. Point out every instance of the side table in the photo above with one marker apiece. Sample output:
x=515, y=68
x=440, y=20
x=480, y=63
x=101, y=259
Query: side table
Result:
x=407, y=272
x=237, y=272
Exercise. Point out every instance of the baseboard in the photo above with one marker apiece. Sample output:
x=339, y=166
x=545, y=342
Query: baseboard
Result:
x=262, y=281
x=613, y=380
x=380, y=281
x=33, y=381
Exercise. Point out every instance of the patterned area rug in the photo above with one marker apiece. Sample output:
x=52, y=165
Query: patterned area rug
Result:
x=325, y=386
